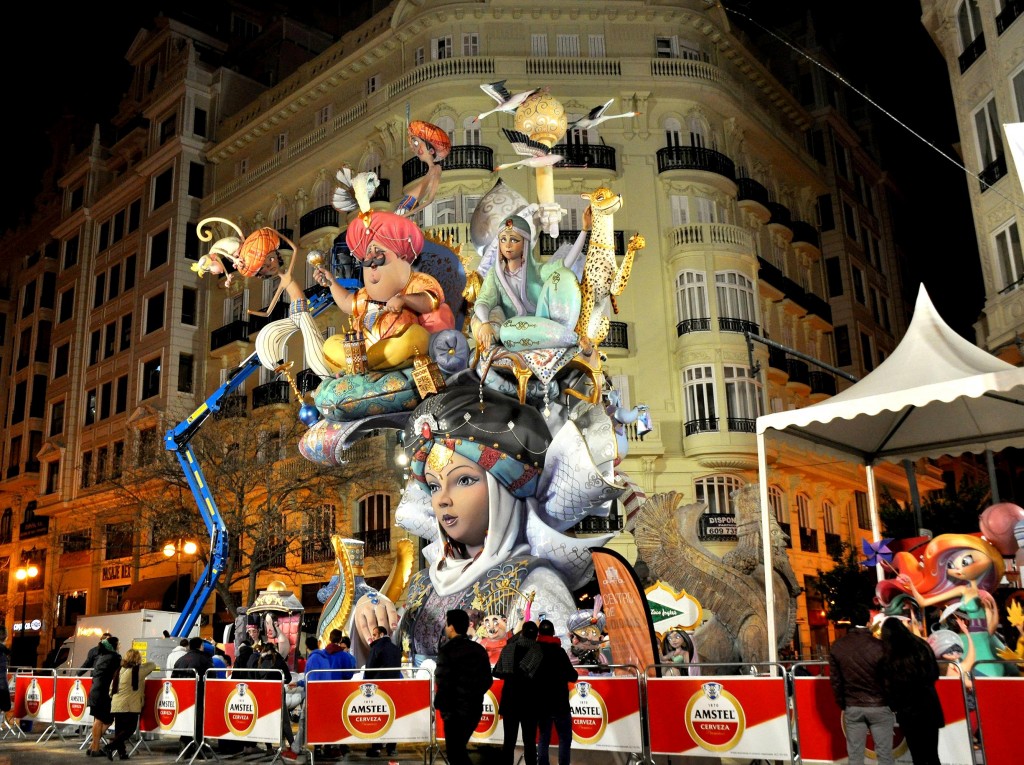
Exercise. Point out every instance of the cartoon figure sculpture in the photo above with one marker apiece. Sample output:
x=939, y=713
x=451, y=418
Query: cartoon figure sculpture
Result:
x=676, y=648
x=603, y=280
x=586, y=628
x=431, y=144
x=490, y=489
x=959, y=571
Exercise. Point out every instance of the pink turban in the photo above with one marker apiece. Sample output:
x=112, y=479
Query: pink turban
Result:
x=395, y=232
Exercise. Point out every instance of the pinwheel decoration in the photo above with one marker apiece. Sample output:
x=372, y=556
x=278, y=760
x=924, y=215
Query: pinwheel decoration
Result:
x=876, y=553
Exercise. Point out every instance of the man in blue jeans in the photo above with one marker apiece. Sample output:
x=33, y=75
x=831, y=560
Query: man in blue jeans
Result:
x=857, y=685
x=551, y=688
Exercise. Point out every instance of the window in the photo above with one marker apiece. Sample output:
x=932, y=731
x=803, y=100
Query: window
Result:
x=419, y=57
x=121, y=394
x=539, y=45
x=191, y=241
x=830, y=523
x=99, y=290
x=6, y=529
x=28, y=300
x=863, y=510
x=162, y=186
x=567, y=46
x=109, y=339
x=373, y=85
x=470, y=132
x=1011, y=262
x=280, y=142
x=71, y=252
x=147, y=446
x=185, y=366
x=159, y=247
x=742, y=397
x=101, y=464
x=858, y=286
x=844, y=358
x=117, y=459
x=114, y=283
x=241, y=167
x=199, y=122
x=441, y=48
x=842, y=157
x=826, y=216
x=471, y=44
x=692, y=302
x=968, y=21
x=866, y=352
x=834, y=274
x=777, y=504
x=168, y=128
x=56, y=418
x=42, y=354
x=118, y=542
x=666, y=47
x=317, y=526
x=134, y=215
x=129, y=272
x=699, y=393
x=595, y=46
x=189, y=304
x=52, y=483
x=717, y=491
x=126, y=332
x=76, y=541
x=154, y=313
x=61, y=355
x=86, y=480
x=196, y=176
x=14, y=458
x=90, y=407
x=324, y=113
x=735, y=294
x=803, y=510
x=105, y=391
x=987, y=129
x=150, y=378
x=375, y=513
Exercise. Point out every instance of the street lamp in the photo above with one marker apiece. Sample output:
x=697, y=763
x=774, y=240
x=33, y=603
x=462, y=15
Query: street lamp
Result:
x=174, y=550
x=24, y=573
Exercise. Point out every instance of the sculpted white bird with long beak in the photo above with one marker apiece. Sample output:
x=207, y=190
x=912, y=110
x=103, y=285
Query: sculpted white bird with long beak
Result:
x=354, y=191
x=506, y=101
x=596, y=116
x=536, y=153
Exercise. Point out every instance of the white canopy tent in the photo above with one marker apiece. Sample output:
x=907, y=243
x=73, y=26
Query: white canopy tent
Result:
x=936, y=394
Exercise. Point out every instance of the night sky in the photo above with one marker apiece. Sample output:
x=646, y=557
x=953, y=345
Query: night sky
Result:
x=883, y=50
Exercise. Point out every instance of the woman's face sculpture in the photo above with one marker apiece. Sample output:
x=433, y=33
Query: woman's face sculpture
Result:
x=458, y=494
x=385, y=274
x=968, y=566
x=675, y=640
x=510, y=246
x=495, y=627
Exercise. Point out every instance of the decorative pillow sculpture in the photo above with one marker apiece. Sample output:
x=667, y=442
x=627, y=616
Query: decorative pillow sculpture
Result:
x=353, y=397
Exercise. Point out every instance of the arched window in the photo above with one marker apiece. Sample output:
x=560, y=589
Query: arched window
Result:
x=698, y=131
x=717, y=491
x=699, y=394
x=317, y=526
x=6, y=525
x=968, y=22
x=279, y=214
x=323, y=190
x=808, y=525
x=447, y=124
x=673, y=132
x=777, y=503
x=375, y=523
x=471, y=131
x=692, y=302
x=735, y=293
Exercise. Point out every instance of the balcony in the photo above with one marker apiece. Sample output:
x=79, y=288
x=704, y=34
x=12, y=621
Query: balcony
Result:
x=317, y=550
x=805, y=233
x=375, y=542
x=799, y=373
x=256, y=323
x=322, y=217
x=741, y=424
x=777, y=359
x=695, y=158
x=468, y=157
x=236, y=331
x=686, y=326
x=597, y=156
x=233, y=405
x=780, y=215
x=995, y=170
x=749, y=190
x=618, y=336
x=593, y=525
x=809, y=540
x=833, y=545
x=703, y=425
x=307, y=381
x=729, y=324
x=548, y=244
x=972, y=53
x=1009, y=14
x=273, y=392
x=823, y=384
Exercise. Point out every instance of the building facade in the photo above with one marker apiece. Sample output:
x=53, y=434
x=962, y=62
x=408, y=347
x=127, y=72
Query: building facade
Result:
x=760, y=208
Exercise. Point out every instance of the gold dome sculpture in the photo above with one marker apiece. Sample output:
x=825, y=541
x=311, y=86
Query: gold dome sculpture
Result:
x=542, y=117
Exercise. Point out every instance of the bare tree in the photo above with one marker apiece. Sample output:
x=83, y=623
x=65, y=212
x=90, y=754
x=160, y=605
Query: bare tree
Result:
x=269, y=497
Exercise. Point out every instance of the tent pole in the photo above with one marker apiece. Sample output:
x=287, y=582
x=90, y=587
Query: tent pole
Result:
x=915, y=497
x=993, y=480
x=766, y=548
x=876, y=525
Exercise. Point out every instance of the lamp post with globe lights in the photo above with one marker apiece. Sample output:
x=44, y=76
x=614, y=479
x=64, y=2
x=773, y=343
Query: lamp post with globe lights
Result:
x=25, y=573
x=174, y=550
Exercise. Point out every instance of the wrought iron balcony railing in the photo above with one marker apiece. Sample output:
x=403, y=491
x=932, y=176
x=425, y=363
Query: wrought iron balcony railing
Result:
x=548, y=245
x=383, y=192
x=780, y=215
x=273, y=392
x=467, y=157
x=748, y=188
x=1009, y=14
x=777, y=359
x=703, y=425
x=972, y=53
x=686, y=326
x=593, y=525
x=618, y=336
x=823, y=382
x=322, y=217
x=317, y=550
x=593, y=155
x=237, y=330
x=695, y=158
x=798, y=372
x=729, y=324
x=233, y=405
x=375, y=542
x=995, y=170
x=809, y=540
x=741, y=424
x=805, y=232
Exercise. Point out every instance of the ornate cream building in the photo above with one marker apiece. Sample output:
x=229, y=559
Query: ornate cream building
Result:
x=764, y=215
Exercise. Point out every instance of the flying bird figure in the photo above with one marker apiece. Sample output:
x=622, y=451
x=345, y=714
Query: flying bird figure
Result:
x=354, y=191
x=596, y=116
x=506, y=101
x=536, y=153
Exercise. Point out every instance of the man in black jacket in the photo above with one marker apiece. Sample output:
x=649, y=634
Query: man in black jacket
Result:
x=854, y=664
x=517, y=665
x=383, y=653
x=197, y=660
x=551, y=689
x=461, y=679
x=105, y=664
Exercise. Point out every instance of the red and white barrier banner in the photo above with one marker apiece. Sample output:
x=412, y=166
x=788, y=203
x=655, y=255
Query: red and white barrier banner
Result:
x=820, y=730
x=249, y=710
x=999, y=716
x=489, y=730
x=606, y=713
x=368, y=711
x=169, y=707
x=722, y=716
x=71, y=701
x=33, y=697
